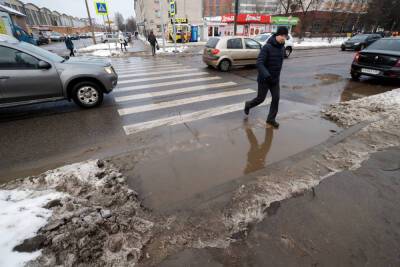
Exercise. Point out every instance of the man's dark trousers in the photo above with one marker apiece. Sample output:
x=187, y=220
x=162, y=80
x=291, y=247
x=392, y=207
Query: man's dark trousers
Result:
x=263, y=89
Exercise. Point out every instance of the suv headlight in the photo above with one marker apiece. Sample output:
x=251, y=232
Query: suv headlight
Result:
x=356, y=43
x=109, y=70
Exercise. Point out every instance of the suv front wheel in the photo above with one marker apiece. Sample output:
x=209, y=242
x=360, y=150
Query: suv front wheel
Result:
x=87, y=94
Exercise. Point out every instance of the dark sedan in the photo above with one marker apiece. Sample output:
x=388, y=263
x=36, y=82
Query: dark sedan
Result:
x=381, y=59
x=360, y=41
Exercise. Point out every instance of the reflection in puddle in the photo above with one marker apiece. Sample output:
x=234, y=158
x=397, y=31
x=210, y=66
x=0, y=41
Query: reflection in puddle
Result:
x=257, y=153
x=367, y=87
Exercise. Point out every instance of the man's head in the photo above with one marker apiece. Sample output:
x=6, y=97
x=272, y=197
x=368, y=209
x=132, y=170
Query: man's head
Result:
x=281, y=34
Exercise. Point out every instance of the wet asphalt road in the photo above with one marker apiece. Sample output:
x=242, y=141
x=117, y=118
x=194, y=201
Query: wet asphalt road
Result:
x=176, y=128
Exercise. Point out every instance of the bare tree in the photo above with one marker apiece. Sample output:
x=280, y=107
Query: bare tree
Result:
x=119, y=21
x=131, y=24
x=303, y=7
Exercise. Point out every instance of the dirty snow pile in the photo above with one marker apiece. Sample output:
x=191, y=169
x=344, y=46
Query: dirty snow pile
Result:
x=80, y=214
x=318, y=42
x=102, y=50
x=22, y=214
x=365, y=109
x=381, y=114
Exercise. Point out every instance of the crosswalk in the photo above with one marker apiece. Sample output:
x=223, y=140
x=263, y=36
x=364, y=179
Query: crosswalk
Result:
x=152, y=94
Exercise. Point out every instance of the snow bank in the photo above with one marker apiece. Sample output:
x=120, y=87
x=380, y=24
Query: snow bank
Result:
x=171, y=49
x=21, y=216
x=318, y=42
x=364, y=109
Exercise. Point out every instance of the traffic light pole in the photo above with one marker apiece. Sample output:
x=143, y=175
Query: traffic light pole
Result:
x=174, y=29
x=90, y=22
x=236, y=15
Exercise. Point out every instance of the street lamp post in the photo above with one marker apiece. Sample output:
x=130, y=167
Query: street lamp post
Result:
x=236, y=15
x=90, y=22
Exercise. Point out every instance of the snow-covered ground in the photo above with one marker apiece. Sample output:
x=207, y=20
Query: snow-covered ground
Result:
x=103, y=50
x=318, y=42
x=21, y=216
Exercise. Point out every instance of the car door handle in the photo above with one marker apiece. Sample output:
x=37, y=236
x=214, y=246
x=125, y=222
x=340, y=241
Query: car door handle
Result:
x=4, y=77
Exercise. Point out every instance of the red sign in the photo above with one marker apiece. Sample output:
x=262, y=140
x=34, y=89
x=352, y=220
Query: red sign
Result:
x=247, y=18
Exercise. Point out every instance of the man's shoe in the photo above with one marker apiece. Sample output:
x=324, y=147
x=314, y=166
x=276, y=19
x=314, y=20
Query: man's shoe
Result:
x=246, y=108
x=273, y=124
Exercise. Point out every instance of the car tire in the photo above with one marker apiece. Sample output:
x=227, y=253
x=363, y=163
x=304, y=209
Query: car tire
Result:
x=288, y=52
x=343, y=48
x=87, y=94
x=225, y=65
x=355, y=76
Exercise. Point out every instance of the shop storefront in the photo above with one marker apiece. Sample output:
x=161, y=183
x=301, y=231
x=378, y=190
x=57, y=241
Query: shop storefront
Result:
x=213, y=27
x=254, y=24
x=185, y=32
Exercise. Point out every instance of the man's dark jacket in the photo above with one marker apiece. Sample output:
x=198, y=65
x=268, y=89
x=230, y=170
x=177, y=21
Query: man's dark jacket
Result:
x=269, y=61
x=69, y=43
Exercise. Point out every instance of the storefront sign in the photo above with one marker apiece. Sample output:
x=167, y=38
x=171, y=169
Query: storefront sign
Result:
x=285, y=20
x=247, y=18
x=181, y=21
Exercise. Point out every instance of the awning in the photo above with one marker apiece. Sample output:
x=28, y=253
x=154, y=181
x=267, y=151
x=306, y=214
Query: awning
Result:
x=10, y=10
x=285, y=20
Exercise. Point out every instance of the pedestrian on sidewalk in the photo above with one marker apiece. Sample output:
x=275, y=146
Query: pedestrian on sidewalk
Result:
x=153, y=42
x=70, y=45
x=122, y=41
x=269, y=65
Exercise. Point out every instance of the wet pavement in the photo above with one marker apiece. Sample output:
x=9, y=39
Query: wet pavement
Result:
x=350, y=219
x=176, y=128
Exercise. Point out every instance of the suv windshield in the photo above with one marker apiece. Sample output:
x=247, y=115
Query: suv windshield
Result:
x=34, y=49
x=386, y=44
x=212, y=43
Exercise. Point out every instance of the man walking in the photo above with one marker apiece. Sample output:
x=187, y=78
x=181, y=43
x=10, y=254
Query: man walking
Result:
x=153, y=42
x=70, y=45
x=269, y=65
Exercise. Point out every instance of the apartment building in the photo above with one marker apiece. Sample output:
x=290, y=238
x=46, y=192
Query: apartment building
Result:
x=148, y=13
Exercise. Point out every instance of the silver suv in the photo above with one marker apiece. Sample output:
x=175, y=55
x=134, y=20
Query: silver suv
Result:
x=29, y=74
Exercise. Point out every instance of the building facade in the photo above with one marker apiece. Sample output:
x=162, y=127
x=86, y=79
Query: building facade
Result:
x=41, y=18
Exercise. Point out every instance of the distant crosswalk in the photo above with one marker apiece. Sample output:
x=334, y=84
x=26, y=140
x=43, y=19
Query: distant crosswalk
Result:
x=152, y=94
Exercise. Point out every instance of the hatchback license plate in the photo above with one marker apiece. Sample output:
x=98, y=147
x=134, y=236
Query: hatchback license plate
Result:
x=369, y=71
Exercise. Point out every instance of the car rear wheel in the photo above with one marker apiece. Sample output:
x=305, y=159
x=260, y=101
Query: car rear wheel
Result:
x=288, y=51
x=225, y=65
x=343, y=48
x=355, y=76
x=87, y=94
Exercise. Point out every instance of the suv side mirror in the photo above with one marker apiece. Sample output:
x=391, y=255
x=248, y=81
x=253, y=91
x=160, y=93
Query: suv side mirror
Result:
x=44, y=65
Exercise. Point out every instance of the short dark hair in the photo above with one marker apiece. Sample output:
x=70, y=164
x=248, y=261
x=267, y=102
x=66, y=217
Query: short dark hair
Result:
x=282, y=30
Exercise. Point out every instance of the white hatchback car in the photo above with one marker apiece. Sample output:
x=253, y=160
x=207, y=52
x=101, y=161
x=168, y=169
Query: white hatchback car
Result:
x=228, y=51
x=263, y=38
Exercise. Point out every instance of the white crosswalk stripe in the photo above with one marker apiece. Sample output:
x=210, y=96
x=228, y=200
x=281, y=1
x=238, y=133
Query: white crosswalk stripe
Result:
x=155, y=85
x=173, y=70
x=145, y=69
x=168, y=88
x=162, y=78
x=174, y=91
x=179, y=102
x=185, y=118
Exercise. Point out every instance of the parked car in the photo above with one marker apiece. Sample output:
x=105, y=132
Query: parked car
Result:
x=109, y=38
x=263, y=38
x=41, y=39
x=381, y=59
x=30, y=74
x=360, y=41
x=225, y=52
x=56, y=37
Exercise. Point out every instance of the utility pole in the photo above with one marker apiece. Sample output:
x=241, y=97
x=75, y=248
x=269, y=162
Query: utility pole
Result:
x=109, y=23
x=162, y=25
x=90, y=22
x=236, y=15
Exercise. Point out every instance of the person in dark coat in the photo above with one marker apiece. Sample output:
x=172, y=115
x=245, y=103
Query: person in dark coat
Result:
x=269, y=65
x=153, y=42
x=70, y=45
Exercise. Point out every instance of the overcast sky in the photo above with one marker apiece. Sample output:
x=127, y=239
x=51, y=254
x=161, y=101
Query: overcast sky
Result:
x=77, y=7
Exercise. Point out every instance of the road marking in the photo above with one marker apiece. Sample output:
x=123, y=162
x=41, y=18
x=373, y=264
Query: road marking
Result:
x=180, y=102
x=185, y=118
x=162, y=77
x=124, y=66
x=155, y=85
x=156, y=72
x=144, y=69
x=174, y=91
